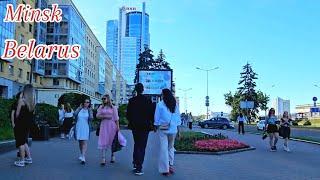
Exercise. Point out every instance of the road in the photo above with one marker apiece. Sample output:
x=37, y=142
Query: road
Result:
x=57, y=159
x=295, y=132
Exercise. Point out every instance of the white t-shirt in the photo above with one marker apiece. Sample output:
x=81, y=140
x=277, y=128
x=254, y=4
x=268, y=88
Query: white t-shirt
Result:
x=68, y=114
x=242, y=119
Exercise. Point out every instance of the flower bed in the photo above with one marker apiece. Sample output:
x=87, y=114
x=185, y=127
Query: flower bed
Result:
x=199, y=142
x=216, y=145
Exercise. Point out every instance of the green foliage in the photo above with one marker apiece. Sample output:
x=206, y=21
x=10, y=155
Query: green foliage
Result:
x=146, y=62
x=5, y=111
x=247, y=91
x=307, y=123
x=295, y=123
x=187, y=140
x=73, y=98
x=46, y=113
x=122, y=114
x=6, y=131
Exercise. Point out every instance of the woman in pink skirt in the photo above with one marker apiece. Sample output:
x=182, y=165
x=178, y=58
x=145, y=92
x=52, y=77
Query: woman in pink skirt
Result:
x=109, y=126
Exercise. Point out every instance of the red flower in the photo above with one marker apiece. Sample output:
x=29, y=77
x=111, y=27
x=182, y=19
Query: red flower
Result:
x=219, y=145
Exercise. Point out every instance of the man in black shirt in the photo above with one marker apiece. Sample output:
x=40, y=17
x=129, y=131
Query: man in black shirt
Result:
x=140, y=117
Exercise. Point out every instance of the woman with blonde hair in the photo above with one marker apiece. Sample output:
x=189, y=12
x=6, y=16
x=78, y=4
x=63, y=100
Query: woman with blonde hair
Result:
x=23, y=120
x=68, y=119
x=109, y=126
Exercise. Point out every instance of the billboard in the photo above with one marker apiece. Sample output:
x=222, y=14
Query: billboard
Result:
x=155, y=80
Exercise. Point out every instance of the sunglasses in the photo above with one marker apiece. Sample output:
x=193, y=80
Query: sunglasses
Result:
x=87, y=102
x=104, y=99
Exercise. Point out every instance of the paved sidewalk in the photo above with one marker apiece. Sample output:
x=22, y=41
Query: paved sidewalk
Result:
x=57, y=159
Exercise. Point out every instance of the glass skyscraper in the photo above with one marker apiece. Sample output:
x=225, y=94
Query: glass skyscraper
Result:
x=112, y=41
x=134, y=28
x=132, y=32
x=7, y=29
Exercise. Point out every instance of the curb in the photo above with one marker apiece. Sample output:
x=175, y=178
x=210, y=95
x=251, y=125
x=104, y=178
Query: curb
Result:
x=6, y=146
x=216, y=153
x=292, y=139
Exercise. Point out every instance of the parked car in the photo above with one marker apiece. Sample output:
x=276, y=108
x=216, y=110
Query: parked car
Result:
x=222, y=123
x=261, y=126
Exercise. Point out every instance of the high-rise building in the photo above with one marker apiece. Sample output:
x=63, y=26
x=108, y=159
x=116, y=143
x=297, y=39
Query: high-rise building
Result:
x=8, y=87
x=133, y=37
x=281, y=106
x=112, y=41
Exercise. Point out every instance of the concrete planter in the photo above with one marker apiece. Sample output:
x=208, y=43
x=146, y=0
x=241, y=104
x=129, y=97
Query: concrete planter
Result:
x=216, y=153
x=6, y=146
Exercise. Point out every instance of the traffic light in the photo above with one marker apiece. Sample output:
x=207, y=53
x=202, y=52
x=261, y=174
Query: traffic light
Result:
x=221, y=114
x=207, y=101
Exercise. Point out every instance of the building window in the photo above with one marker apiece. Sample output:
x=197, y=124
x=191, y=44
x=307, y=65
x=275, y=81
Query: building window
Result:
x=56, y=82
x=1, y=66
x=22, y=23
x=28, y=76
x=11, y=72
x=21, y=38
x=35, y=78
x=20, y=73
x=30, y=28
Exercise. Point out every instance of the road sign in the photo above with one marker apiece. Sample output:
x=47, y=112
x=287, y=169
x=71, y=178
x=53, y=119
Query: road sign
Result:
x=315, y=99
x=246, y=104
x=314, y=109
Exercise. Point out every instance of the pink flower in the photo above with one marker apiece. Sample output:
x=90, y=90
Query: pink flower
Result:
x=219, y=145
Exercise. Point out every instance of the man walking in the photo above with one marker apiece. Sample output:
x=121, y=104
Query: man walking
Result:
x=139, y=115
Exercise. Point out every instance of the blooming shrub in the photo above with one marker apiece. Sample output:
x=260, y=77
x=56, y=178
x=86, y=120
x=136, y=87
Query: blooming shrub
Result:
x=215, y=145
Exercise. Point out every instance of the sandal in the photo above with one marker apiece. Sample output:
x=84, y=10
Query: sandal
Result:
x=103, y=162
x=113, y=159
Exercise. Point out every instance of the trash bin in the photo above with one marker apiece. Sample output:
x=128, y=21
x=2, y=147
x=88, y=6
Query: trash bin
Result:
x=44, y=132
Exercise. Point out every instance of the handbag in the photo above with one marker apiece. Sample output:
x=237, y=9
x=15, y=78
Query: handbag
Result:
x=165, y=126
x=98, y=130
x=116, y=146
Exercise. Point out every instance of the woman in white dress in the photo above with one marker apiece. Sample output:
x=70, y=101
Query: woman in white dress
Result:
x=83, y=116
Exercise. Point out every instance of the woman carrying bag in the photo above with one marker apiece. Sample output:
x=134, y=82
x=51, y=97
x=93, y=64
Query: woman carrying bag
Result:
x=167, y=120
x=109, y=127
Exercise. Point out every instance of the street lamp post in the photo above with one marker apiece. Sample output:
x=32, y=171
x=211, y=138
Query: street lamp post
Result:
x=207, y=97
x=185, y=97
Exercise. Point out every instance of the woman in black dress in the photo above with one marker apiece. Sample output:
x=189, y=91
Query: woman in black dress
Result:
x=285, y=130
x=24, y=116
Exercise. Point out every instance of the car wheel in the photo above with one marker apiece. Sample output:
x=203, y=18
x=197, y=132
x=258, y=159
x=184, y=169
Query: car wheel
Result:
x=224, y=127
x=206, y=126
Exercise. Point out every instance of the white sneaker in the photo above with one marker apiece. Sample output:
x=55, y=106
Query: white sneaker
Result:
x=288, y=150
x=19, y=163
x=28, y=161
x=80, y=158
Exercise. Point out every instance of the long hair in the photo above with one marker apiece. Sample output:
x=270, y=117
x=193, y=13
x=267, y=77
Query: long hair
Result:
x=68, y=108
x=29, y=96
x=169, y=100
x=109, y=103
x=270, y=112
x=285, y=115
x=241, y=115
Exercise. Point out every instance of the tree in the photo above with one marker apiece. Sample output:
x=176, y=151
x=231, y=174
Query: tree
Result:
x=146, y=62
x=247, y=91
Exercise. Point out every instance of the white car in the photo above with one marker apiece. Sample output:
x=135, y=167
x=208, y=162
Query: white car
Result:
x=261, y=125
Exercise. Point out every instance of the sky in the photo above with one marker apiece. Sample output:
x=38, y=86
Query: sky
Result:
x=279, y=38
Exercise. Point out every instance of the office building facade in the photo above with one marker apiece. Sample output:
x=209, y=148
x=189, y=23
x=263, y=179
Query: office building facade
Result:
x=281, y=106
